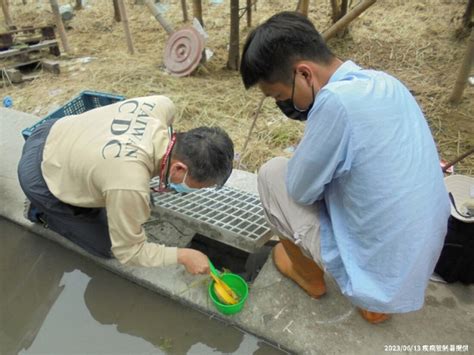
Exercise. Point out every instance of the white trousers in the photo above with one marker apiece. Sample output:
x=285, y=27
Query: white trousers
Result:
x=288, y=219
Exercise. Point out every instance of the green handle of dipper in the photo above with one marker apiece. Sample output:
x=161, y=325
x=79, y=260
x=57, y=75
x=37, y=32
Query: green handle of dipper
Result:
x=214, y=270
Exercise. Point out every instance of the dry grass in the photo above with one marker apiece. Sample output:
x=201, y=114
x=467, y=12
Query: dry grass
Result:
x=413, y=40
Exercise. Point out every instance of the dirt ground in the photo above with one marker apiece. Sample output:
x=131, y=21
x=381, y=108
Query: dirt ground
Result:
x=413, y=40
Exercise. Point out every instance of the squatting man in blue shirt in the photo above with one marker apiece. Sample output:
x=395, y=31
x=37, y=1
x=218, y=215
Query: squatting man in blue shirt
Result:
x=363, y=197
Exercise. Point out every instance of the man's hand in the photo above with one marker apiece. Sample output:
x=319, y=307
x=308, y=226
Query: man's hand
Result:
x=194, y=261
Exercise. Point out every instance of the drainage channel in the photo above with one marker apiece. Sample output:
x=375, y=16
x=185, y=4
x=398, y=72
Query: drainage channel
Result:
x=57, y=302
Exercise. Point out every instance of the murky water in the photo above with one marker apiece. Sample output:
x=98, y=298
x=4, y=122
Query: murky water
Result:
x=53, y=301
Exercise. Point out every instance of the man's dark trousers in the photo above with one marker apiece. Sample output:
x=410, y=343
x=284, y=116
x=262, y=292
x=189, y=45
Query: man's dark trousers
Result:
x=86, y=227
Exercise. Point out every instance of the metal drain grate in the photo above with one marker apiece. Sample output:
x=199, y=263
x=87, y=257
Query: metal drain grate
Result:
x=228, y=215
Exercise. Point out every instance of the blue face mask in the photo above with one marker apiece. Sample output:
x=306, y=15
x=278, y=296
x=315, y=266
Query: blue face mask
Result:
x=183, y=187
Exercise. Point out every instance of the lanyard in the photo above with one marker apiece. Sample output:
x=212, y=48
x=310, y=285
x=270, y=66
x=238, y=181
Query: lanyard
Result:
x=165, y=165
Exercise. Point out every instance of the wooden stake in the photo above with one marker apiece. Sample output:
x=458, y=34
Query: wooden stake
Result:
x=159, y=17
x=185, y=10
x=457, y=160
x=116, y=11
x=303, y=6
x=348, y=18
x=255, y=115
x=60, y=25
x=197, y=11
x=6, y=13
x=126, y=29
x=233, y=61
x=464, y=71
x=249, y=13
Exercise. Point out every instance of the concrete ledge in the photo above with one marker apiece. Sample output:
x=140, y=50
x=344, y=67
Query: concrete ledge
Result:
x=276, y=310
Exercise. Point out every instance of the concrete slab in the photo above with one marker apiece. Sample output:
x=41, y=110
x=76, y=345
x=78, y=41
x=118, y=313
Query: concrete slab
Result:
x=277, y=310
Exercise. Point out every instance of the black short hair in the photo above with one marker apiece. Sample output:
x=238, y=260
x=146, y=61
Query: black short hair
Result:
x=208, y=152
x=271, y=49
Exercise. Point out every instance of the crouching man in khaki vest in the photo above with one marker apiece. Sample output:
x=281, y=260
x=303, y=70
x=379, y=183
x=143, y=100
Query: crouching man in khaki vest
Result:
x=87, y=176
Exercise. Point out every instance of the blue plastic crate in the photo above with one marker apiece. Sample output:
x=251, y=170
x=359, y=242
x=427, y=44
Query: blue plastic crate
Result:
x=85, y=101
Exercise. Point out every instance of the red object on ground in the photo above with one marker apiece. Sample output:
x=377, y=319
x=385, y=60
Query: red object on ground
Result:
x=183, y=51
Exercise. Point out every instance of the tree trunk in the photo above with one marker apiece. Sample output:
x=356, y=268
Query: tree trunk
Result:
x=249, y=13
x=233, y=62
x=344, y=7
x=348, y=18
x=6, y=13
x=78, y=5
x=303, y=6
x=126, y=29
x=335, y=11
x=117, y=11
x=464, y=71
x=185, y=10
x=339, y=11
x=197, y=11
x=467, y=17
x=60, y=25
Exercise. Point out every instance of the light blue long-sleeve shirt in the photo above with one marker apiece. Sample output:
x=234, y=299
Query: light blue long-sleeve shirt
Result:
x=368, y=158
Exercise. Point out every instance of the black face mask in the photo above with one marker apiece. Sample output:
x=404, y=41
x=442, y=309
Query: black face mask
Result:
x=289, y=109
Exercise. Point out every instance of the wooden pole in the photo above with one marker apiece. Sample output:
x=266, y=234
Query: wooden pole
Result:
x=348, y=18
x=185, y=10
x=255, y=115
x=151, y=6
x=303, y=6
x=197, y=11
x=464, y=71
x=249, y=13
x=126, y=29
x=456, y=160
x=60, y=25
x=6, y=13
x=116, y=11
x=233, y=61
